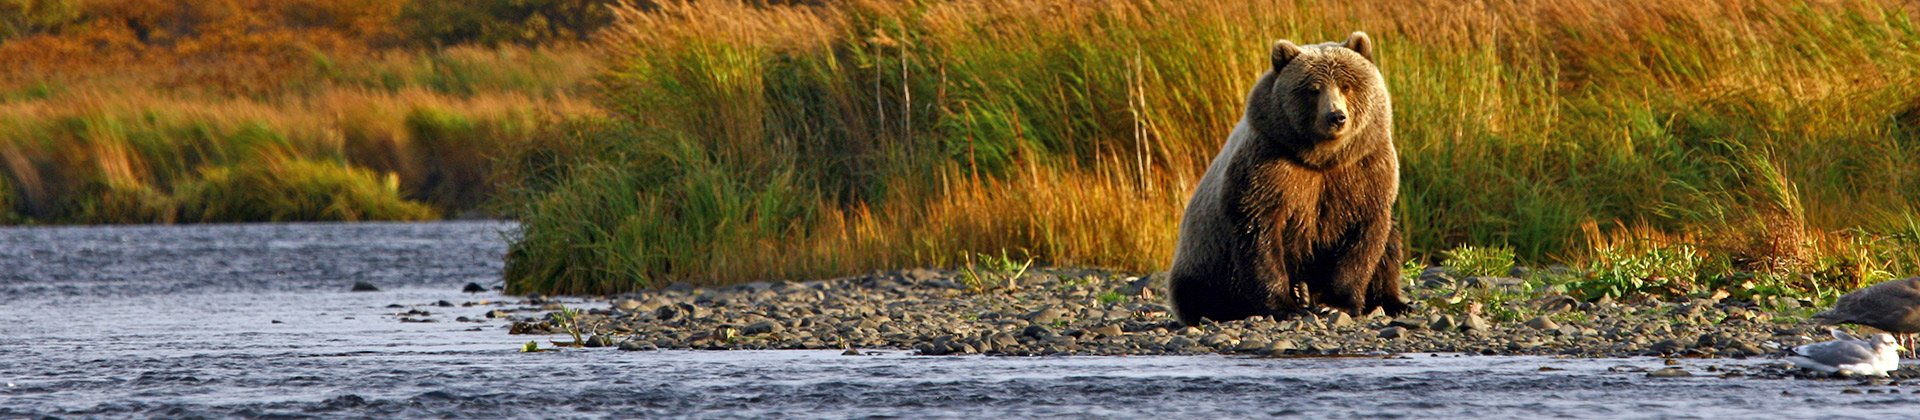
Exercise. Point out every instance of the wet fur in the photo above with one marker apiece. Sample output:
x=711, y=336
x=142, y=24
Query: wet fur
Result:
x=1287, y=218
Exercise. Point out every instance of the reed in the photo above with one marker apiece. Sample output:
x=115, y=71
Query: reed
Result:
x=120, y=148
x=764, y=141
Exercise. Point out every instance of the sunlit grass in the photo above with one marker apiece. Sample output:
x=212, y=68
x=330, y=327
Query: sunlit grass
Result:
x=752, y=142
x=119, y=147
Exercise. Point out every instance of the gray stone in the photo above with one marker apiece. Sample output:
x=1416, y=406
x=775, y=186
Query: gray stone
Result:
x=1672, y=372
x=1339, y=319
x=599, y=341
x=1435, y=277
x=1408, y=323
x=1037, y=332
x=922, y=274
x=1392, y=332
x=1443, y=323
x=1496, y=283
x=1543, y=323
x=1280, y=347
x=1668, y=346
x=1179, y=343
x=1218, y=341
x=1475, y=323
x=1046, y=315
x=762, y=327
x=628, y=305
x=667, y=313
x=636, y=345
x=1251, y=346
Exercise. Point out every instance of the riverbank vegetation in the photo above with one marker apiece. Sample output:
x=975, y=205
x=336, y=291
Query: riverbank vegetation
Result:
x=1654, y=147
x=146, y=111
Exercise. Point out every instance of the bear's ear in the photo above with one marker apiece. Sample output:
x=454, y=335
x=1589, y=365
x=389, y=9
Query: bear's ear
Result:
x=1283, y=52
x=1360, y=43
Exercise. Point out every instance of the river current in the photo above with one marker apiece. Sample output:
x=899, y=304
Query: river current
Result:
x=258, y=321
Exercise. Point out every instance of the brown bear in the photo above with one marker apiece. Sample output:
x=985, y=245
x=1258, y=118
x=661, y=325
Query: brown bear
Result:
x=1296, y=210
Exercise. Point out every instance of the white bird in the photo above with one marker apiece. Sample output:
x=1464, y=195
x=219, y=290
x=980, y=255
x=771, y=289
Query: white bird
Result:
x=1875, y=355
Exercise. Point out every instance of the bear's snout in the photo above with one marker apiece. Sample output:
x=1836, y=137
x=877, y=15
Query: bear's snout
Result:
x=1336, y=120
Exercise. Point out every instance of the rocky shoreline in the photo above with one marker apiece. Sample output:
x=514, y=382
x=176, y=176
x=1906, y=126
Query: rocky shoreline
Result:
x=1094, y=312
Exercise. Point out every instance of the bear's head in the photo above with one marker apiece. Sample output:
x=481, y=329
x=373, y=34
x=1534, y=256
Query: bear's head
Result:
x=1318, y=99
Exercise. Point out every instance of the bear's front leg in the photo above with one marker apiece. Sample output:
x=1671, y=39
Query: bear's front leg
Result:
x=1353, y=269
x=1270, y=268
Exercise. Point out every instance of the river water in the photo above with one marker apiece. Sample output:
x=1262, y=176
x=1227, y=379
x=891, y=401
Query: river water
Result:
x=257, y=320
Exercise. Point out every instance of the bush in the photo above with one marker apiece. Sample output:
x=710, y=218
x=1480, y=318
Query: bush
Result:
x=281, y=190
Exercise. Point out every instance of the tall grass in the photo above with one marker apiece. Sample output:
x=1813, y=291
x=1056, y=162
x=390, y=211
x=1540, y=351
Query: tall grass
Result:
x=755, y=141
x=142, y=146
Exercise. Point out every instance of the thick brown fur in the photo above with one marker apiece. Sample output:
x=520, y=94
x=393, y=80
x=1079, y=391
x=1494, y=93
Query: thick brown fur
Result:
x=1296, y=210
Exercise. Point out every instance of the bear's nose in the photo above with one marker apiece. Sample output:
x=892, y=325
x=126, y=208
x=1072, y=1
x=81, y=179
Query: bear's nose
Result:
x=1337, y=119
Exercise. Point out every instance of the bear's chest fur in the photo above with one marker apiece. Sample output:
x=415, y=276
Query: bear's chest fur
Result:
x=1307, y=212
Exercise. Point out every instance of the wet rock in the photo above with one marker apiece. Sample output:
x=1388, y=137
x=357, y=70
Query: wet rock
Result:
x=851, y=352
x=1108, y=330
x=1543, y=323
x=1339, y=319
x=361, y=286
x=443, y=304
x=474, y=288
x=1046, y=315
x=762, y=327
x=1179, y=343
x=1037, y=332
x=1672, y=372
x=1436, y=277
x=1408, y=323
x=1475, y=323
x=1495, y=283
x=1219, y=341
x=1392, y=332
x=1669, y=346
x=599, y=341
x=637, y=345
x=1251, y=346
x=498, y=314
x=1280, y=347
x=628, y=305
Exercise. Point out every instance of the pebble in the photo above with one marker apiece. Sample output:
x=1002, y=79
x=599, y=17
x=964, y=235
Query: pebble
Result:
x=1475, y=323
x=762, y=327
x=1392, y=332
x=1542, y=323
x=599, y=341
x=636, y=345
x=1340, y=320
x=1672, y=372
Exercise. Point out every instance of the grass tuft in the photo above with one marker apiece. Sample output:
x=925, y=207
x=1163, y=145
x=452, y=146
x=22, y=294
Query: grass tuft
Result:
x=754, y=141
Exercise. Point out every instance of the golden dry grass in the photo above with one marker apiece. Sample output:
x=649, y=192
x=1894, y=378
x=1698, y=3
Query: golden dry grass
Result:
x=900, y=134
